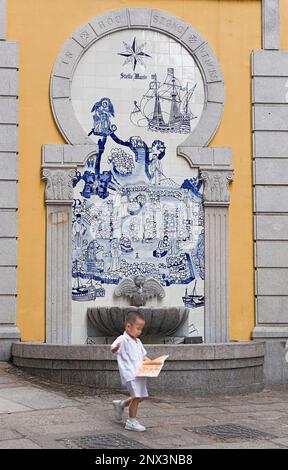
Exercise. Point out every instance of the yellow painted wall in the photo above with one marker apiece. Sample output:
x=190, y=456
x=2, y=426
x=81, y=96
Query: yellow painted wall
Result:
x=233, y=29
x=284, y=24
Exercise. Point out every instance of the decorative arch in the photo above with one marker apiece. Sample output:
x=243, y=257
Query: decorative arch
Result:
x=84, y=37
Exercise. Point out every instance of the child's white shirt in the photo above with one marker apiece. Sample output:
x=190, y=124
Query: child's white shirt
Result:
x=129, y=356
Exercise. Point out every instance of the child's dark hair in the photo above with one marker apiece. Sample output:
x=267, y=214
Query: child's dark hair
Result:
x=132, y=316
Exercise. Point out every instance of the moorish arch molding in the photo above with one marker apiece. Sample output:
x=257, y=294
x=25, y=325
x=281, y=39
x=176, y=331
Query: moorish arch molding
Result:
x=131, y=18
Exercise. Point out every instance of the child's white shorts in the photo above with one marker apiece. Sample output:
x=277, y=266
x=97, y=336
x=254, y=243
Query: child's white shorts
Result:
x=138, y=387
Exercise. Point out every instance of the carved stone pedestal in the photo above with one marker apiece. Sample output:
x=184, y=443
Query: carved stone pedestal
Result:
x=216, y=171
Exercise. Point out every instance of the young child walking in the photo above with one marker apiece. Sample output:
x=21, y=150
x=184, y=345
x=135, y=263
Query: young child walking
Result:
x=130, y=353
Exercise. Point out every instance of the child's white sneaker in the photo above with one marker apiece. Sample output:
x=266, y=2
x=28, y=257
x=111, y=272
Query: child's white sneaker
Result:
x=134, y=425
x=118, y=409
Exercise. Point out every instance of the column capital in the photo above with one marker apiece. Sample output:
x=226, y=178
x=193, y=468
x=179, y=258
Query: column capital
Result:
x=59, y=187
x=216, y=186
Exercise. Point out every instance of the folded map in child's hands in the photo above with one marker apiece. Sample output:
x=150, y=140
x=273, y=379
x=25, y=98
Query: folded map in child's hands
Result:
x=151, y=368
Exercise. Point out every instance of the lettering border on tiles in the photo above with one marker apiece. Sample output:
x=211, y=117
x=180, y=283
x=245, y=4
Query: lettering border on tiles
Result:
x=155, y=20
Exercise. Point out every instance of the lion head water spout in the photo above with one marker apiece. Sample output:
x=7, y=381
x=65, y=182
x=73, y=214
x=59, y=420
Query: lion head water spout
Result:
x=160, y=322
x=139, y=290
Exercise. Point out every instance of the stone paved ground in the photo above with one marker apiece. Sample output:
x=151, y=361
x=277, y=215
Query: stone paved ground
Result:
x=38, y=414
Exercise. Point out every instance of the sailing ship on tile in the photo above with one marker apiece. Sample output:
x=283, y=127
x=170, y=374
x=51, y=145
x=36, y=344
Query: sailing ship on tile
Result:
x=193, y=300
x=85, y=292
x=165, y=107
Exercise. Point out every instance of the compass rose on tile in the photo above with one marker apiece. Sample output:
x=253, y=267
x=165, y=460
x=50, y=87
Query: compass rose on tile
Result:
x=134, y=54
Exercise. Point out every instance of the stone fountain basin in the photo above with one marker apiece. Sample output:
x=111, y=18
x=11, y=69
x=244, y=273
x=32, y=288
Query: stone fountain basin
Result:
x=191, y=369
x=163, y=321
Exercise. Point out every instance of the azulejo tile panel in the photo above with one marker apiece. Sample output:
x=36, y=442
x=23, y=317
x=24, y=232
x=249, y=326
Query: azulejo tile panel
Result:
x=138, y=210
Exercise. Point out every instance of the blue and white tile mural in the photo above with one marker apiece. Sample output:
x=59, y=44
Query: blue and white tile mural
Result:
x=138, y=208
